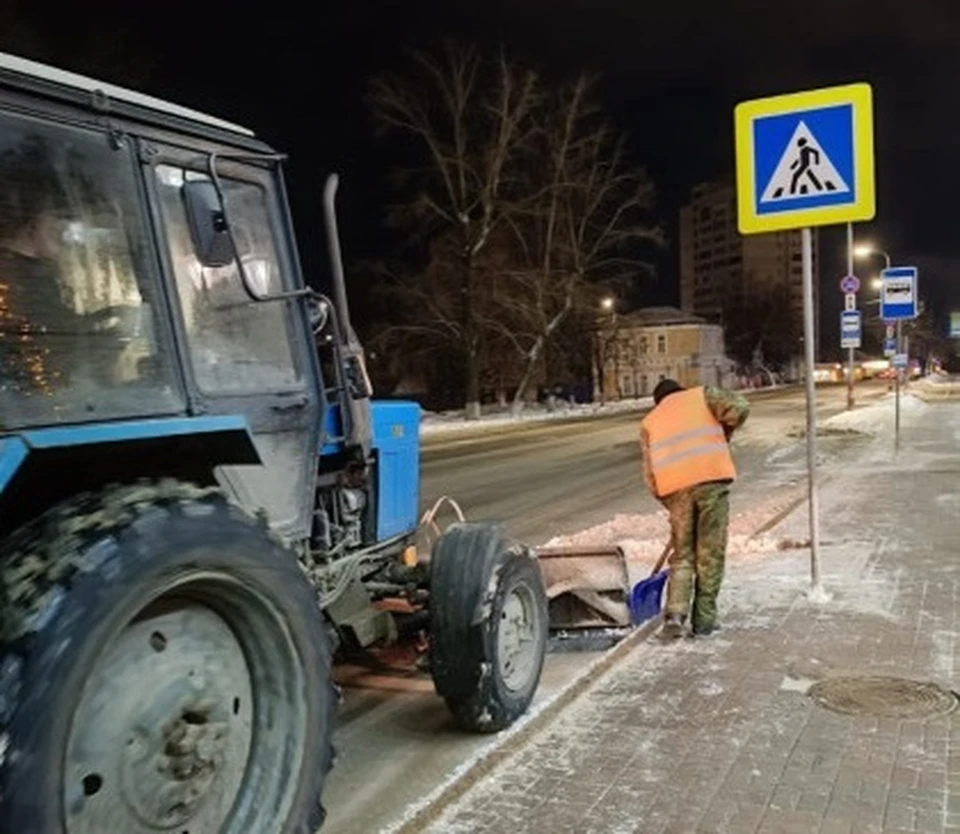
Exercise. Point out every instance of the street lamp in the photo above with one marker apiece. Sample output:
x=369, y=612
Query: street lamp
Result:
x=866, y=250
x=876, y=283
x=605, y=340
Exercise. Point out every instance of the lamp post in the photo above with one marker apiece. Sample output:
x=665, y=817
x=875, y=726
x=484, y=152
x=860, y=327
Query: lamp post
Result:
x=608, y=304
x=866, y=250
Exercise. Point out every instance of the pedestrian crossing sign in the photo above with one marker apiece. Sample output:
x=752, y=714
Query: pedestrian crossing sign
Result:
x=805, y=159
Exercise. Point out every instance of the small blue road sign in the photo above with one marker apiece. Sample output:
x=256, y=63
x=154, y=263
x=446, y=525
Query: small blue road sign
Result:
x=889, y=347
x=900, y=361
x=850, y=329
x=898, y=293
x=849, y=284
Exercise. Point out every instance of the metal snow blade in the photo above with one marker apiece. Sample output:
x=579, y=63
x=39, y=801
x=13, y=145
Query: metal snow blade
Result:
x=592, y=588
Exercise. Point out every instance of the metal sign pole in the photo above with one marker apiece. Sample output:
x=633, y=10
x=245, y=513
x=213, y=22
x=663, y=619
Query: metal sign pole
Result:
x=906, y=371
x=851, y=358
x=896, y=426
x=808, y=341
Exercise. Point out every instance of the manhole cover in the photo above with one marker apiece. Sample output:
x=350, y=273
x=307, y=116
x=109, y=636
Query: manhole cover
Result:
x=883, y=697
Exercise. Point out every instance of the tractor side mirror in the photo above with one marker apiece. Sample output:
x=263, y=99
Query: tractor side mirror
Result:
x=208, y=223
x=319, y=314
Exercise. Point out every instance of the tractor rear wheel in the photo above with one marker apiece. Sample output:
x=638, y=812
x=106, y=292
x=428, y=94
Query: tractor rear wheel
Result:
x=488, y=632
x=163, y=666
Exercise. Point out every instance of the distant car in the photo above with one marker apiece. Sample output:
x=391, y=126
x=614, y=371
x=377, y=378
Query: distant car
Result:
x=889, y=373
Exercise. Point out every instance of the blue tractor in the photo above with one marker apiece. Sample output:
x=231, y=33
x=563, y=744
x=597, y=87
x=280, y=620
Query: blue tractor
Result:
x=200, y=503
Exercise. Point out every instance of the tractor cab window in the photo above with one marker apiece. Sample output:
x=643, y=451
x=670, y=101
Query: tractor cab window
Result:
x=79, y=304
x=237, y=345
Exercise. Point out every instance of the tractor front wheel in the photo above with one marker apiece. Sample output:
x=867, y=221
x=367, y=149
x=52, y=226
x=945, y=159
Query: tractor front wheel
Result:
x=163, y=667
x=488, y=632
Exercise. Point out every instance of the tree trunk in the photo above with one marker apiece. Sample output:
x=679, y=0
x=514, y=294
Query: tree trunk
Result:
x=471, y=337
x=501, y=391
x=599, y=359
x=616, y=373
x=532, y=356
x=472, y=408
x=601, y=393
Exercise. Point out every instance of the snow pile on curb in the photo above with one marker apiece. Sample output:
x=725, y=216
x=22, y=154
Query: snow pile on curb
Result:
x=644, y=536
x=874, y=419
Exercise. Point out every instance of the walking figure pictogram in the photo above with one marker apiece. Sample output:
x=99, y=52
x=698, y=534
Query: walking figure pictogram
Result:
x=807, y=155
x=804, y=170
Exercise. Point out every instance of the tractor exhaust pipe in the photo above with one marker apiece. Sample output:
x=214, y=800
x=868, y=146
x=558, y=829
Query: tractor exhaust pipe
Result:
x=357, y=423
x=336, y=259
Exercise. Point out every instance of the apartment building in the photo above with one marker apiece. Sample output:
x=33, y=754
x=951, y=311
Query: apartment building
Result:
x=720, y=268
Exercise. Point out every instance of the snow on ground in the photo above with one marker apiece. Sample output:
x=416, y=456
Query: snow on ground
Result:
x=452, y=422
x=642, y=537
x=874, y=419
x=852, y=582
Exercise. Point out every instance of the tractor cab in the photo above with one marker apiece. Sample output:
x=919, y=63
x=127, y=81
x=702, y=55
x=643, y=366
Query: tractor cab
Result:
x=148, y=273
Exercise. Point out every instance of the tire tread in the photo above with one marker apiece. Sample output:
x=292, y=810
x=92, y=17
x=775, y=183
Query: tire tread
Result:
x=40, y=562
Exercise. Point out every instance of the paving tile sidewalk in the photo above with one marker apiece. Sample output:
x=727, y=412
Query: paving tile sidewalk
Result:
x=719, y=735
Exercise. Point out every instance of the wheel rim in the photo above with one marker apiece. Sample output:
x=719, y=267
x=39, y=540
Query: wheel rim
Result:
x=517, y=645
x=202, y=683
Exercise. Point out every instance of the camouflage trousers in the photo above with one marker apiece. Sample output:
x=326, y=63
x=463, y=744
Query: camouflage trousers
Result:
x=698, y=520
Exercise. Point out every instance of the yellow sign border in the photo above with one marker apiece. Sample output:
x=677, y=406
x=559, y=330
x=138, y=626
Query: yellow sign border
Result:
x=860, y=96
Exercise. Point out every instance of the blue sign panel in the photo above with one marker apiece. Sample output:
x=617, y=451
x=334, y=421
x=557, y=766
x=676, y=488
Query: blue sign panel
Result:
x=805, y=160
x=850, y=329
x=898, y=293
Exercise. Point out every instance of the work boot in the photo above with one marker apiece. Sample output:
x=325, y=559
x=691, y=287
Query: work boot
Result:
x=672, y=628
x=704, y=630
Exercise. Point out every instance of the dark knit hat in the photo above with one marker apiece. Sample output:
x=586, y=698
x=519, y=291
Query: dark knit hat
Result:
x=664, y=389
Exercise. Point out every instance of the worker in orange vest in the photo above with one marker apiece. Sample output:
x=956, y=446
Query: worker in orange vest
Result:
x=687, y=465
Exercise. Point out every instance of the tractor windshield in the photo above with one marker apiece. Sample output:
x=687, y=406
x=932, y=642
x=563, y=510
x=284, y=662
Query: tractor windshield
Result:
x=78, y=305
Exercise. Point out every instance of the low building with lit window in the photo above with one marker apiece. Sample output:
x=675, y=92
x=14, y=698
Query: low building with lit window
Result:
x=634, y=351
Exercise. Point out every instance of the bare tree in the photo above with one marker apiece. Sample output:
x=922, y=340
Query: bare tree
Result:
x=469, y=118
x=422, y=309
x=583, y=226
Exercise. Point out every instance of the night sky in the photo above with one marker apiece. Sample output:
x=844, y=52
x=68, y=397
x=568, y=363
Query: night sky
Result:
x=672, y=73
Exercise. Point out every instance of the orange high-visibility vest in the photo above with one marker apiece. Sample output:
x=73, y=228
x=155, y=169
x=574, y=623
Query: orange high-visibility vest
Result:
x=687, y=443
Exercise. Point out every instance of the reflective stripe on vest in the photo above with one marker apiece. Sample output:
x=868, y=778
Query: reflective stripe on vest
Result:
x=687, y=445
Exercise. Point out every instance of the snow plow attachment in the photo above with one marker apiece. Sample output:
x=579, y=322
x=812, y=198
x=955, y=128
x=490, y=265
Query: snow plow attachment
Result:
x=596, y=588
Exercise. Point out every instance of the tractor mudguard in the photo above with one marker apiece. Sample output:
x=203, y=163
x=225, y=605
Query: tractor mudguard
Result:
x=33, y=462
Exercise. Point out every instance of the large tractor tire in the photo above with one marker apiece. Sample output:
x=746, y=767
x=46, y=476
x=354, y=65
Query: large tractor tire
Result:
x=163, y=667
x=488, y=626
